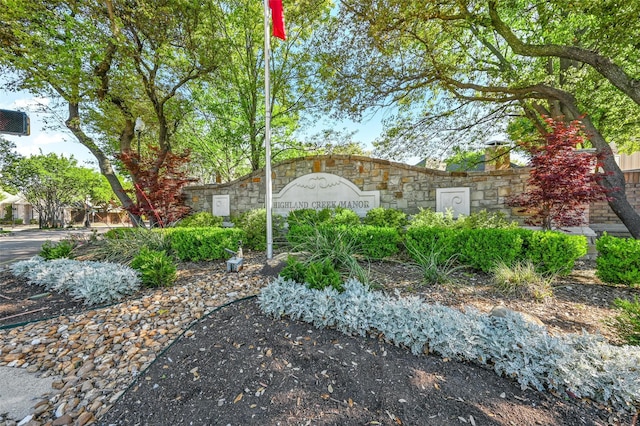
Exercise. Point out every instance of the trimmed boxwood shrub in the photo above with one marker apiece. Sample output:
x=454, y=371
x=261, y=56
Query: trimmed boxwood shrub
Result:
x=552, y=252
x=337, y=216
x=196, y=244
x=618, y=260
x=342, y=216
x=386, y=218
x=308, y=217
x=372, y=242
x=254, y=225
x=375, y=242
x=200, y=220
x=443, y=243
x=483, y=248
x=299, y=233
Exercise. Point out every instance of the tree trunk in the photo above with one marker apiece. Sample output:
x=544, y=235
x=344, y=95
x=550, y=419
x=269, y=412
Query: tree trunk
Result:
x=614, y=178
x=73, y=124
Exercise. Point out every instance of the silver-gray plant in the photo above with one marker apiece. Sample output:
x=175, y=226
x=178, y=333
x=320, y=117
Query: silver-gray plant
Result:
x=93, y=282
x=583, y=365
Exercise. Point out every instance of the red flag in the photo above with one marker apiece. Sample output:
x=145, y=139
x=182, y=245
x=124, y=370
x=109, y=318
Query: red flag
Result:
x=277, y=16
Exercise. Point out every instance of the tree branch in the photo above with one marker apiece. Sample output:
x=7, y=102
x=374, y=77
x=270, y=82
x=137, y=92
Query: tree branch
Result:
x=602, y=64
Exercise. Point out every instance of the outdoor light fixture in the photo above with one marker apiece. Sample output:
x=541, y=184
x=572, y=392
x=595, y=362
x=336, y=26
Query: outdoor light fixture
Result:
x=138, y=129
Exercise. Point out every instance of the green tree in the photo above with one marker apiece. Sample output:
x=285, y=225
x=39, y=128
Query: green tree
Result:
x=110, y=63
x=8, y=160
x=226, y=131
x=95, y=191
x=449, y=65
x=50, y=183
x=465, y=159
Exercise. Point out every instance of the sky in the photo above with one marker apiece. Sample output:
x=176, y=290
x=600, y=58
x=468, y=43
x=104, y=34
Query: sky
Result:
x=54, y=138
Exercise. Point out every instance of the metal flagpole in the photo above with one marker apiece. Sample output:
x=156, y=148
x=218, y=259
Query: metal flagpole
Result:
x=267, y=129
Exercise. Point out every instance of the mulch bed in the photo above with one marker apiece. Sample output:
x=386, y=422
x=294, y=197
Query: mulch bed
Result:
x=21, y=302
x=240, y=367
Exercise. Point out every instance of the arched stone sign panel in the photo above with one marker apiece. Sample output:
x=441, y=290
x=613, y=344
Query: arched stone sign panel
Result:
x=324, y=190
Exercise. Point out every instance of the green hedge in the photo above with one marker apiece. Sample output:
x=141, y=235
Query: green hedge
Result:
x=618, y=260
x=200, y=220
x=119, y=233
x=196, y=244
x=441, y=242
x=299, y=232
x=372, y=242
x=11, y=221
x=376, y=242
x=478, y=248
x=336, y=216
x=482, y=249
x=550, y=252
x=386, y=218
x=254, y=225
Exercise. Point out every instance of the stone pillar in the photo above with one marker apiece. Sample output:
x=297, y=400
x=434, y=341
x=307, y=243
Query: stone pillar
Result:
x=496, y=156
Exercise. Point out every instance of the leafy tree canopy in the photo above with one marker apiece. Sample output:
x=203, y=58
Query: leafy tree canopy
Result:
x=225, y=132
x=458, y=71
x=8, y=161
x=50, y=182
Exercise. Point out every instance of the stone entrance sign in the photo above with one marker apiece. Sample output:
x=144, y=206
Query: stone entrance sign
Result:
x=456, y=199
x=324, y=190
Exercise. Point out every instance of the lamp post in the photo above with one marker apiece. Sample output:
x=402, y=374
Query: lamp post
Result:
x=87, y=224
x=138, y=128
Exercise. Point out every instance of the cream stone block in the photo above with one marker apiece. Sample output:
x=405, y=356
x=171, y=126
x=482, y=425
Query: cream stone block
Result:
x=221, y=205
x=456, y=199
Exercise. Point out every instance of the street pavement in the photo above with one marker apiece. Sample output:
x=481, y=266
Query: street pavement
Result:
x=23, y=243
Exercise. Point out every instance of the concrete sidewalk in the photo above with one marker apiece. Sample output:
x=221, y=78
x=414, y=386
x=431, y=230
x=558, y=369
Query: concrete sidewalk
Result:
x=21, y=390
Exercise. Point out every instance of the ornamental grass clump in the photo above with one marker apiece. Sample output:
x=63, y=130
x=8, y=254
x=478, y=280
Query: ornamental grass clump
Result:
x=581, y=365
x=521, y=279
x=124, y=247
x=435, y=269
x=335, y=245
x=93, y=282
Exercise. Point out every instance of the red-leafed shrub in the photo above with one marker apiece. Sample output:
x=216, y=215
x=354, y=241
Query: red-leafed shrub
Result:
x=562, y=181
x=158, y=181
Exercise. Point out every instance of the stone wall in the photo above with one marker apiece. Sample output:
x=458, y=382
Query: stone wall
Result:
x=401, y=186
x=601, y=212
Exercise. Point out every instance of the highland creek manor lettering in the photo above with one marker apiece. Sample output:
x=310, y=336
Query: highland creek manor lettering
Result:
x=297, y=205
